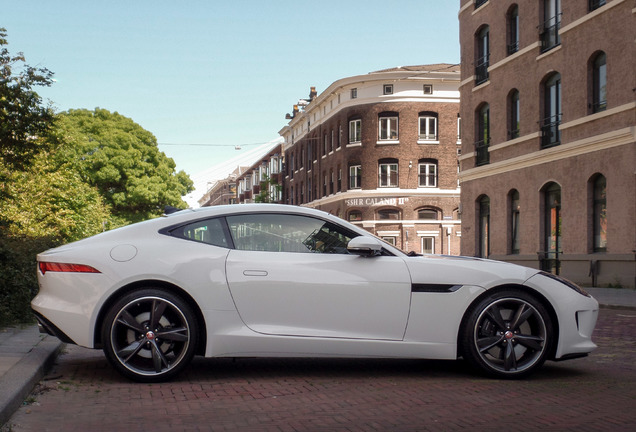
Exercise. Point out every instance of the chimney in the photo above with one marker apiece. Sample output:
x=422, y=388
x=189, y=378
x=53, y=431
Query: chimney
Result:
x=312, y=93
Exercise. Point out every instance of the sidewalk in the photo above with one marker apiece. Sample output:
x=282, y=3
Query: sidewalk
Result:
x=25, y=354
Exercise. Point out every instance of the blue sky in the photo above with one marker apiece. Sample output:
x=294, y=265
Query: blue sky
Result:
x=220, y=73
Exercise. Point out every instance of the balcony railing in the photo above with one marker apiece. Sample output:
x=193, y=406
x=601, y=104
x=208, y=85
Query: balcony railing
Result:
x=481, y=70
x=550, y=133
x=513, y=47
x=550, y=34
x=599, y=106
x=595, y=4
x=482, y=156
x=478, y=3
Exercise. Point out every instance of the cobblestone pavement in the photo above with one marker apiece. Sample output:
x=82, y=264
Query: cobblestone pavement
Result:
x=596, y=393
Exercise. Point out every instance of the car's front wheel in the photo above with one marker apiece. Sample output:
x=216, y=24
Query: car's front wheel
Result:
x=508, y=334
x=149, y=335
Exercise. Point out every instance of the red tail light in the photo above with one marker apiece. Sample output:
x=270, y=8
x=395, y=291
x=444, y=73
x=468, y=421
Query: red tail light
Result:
x=66, y=268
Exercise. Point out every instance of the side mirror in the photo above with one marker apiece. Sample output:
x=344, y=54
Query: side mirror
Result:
x=364, y=246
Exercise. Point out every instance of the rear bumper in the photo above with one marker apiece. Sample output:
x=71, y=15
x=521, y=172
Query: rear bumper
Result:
x=47, y=327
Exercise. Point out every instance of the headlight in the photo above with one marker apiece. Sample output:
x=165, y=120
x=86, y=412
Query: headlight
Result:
x=564, y=281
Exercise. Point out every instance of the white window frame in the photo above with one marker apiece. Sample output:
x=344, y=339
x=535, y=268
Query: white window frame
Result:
x=432, y=249
x=389, y=121
x=387, y=89
x=389, y=167
x=426, y=135
x=355, y=131
x=354, y=172
x=424, y=169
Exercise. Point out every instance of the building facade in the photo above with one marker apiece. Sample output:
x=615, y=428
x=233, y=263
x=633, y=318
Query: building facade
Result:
x=380, y=150
x=548, y=158
x=221, y=192
x=262, y=182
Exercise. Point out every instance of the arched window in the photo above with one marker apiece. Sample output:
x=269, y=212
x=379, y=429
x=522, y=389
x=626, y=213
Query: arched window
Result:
x=482, y=54
x=598, y=66
x=388, y=214
x=513, y=29
x=428, y=214
x=355, y=216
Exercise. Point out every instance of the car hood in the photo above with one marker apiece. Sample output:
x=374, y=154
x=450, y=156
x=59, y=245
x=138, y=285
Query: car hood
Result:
x=454, y=270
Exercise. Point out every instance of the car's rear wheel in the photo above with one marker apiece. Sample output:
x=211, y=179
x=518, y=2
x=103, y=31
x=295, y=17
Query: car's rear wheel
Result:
x=508, y=334
x=150, y=335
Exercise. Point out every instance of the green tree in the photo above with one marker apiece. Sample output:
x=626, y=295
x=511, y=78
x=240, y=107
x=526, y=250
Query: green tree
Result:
x=266, y=194
x=24, y=120
x=48, y=206
x=53, y=203
x=122, y=160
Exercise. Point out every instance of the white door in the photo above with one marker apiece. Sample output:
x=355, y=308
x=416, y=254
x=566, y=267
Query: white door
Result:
x=317, y=289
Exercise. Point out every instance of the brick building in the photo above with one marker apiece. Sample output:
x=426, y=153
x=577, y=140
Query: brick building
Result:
x=262, y=182
x=221, y=192
x=548, y=158
x=380, y=150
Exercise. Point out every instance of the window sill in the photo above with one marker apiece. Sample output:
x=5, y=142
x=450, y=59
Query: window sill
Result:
x=427, y=142
x=355, y=144
x=388, y=142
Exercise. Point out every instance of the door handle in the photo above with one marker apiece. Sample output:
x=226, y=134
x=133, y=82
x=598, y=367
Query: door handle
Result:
x=254, y=273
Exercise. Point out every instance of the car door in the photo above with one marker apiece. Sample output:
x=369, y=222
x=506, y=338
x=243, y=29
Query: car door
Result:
x=291, y=275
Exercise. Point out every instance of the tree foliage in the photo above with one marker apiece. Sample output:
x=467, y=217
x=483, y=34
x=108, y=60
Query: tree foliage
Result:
x=23, y=118
x=52, y=202
x=266, y=194
x=67, y=176
x=121, y=159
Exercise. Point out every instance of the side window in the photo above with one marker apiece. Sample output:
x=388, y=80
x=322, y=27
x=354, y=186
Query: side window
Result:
x=208, y=231
x=287, y=233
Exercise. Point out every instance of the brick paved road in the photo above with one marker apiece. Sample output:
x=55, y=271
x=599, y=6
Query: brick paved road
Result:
x=597, y=393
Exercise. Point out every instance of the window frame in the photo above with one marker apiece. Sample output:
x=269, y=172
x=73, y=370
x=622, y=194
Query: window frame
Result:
x=427, y=176
x=482, y=54
x=482, y=132
x=515, y=218
x=599, y=214
x=514, y=114
x=389, y=119
x=513, y=29
x=552, y=106
x=390, y=174
x=599, y=82
x=427, y=136
x=355, y=179
x=355, y=131
x=483, y=206
x=432, y=242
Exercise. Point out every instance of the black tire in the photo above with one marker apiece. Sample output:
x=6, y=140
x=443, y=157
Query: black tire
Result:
x=508, y=334
x=150, y=335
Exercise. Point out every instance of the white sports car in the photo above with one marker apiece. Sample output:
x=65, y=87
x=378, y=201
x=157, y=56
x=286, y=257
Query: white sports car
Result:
x=274, y=280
